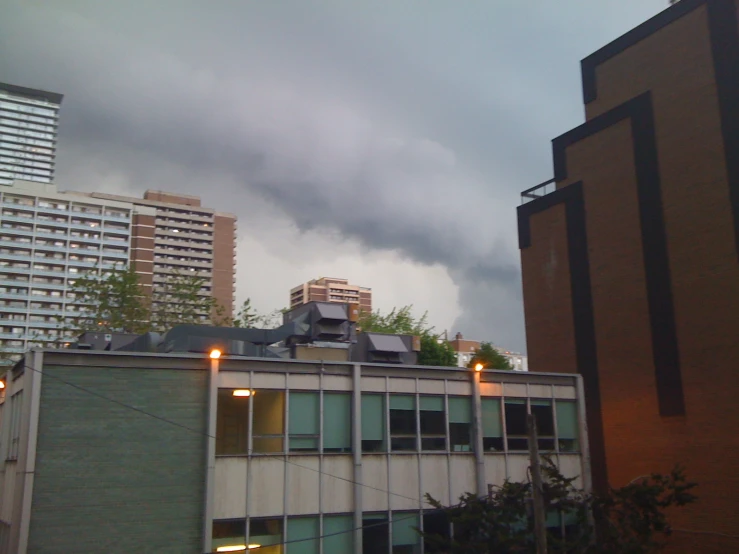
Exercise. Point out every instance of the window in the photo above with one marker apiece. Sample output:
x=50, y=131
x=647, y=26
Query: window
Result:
x=16, y=411
x=515, y=424
x=542, y=412
x=433, y=423
x=492, y=429
x=304, y=424
x=337, y=533
x=302, y=535
x=460, y=424
x=229, y=533
x=232, y=420
x=337, y=422
x=375, y=533
x=406, y=540
x=373, y=423
x=268, y=426
x=267, y=533
x=403, y=423
x=437, y=524
x=567, y=428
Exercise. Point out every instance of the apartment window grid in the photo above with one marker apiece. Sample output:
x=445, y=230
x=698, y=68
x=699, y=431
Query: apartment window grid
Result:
x=28, y=129
x=311, y=422
x=62, y=239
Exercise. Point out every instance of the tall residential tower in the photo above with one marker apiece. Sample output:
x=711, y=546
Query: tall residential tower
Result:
x=28, y=130
x=330, y=289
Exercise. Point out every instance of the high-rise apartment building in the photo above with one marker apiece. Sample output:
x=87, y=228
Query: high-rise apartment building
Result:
x=330, y=289
x=47, y=240
x=630, y=259
x=181, y=236
x=28, y=130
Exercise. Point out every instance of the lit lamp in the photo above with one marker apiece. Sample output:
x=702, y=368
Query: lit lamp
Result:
x=478, y=367
x=2, y=385
x=243, y=392
x=237, y=547
x=215, y=354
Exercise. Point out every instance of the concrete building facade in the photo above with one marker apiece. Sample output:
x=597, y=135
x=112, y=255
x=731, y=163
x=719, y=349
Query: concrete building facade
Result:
x=630, y=259
x=291, y=455
x=331, y=289
x=29, y=120
x=47, y=240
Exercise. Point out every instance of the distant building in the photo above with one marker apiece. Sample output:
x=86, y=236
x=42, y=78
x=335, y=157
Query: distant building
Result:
x=47, y=240
x=329, y=289
x=29, y=120
x=466, y=348
x=182, y=236
x=175, y=453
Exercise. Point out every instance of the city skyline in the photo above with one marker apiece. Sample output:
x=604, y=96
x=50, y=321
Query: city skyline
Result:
x=400, y=175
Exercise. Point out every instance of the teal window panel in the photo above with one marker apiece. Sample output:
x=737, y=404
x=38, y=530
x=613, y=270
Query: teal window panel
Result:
x=491, y=418
x=402, y=402
x=567, y=427
x=373, y=417
x=337, y=422
x=404, y=529
x=338, y=534
x=432, y=403
x=302, y=535
x=460, y=409
x=303, y=413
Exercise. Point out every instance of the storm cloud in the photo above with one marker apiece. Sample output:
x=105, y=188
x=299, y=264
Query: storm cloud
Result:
x=400, y=131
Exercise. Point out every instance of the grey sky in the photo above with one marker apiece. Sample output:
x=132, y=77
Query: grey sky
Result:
x=384, y=141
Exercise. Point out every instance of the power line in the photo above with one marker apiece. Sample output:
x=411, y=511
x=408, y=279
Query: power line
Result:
x=368, y=526
x=197, y=431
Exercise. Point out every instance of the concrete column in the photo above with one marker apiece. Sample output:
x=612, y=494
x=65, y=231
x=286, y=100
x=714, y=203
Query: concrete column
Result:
x=357, y=453
x=210, y=461
x=477, y=431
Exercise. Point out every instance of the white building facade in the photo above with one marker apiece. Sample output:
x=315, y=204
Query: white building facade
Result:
x=47, y=240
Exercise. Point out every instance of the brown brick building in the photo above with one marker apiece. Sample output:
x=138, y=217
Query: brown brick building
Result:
x=331, y=289
x=630, y=260
x=182, y=236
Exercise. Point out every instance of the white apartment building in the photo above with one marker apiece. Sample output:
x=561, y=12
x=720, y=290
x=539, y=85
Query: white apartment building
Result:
x=47, y=240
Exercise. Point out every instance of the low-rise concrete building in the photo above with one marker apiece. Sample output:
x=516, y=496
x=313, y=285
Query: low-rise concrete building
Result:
x=109, y=451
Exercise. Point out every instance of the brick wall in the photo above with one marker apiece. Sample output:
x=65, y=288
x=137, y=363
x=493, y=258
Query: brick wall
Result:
x=110, y=479
x=673, y=66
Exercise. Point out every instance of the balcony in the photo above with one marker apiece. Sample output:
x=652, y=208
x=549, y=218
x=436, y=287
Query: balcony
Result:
x=539, y=191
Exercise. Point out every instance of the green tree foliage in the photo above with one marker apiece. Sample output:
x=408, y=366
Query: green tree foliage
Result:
x=436, y=353
x=115, y=303
x=401, y=321
x=490, y=358
x=629, y=519
x=248, y=317
x=182, y=300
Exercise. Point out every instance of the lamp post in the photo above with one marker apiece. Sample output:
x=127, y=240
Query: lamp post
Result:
x=210, y=462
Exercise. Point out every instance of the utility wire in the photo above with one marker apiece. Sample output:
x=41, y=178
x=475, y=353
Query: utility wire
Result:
x=185, y=427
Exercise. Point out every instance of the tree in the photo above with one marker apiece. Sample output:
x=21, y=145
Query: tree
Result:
x=249, y=318
x=435, y=352
x=489, y=357
x=401, y=321
x=112, y=303
x=181, y=301
x=629, y=519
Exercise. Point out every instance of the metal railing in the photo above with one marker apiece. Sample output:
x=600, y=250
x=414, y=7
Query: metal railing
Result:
x=542, y=189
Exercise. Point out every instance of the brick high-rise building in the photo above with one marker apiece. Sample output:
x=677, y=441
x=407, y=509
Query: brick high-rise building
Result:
x=183, y=236
x=630, y=260
x=330, y=289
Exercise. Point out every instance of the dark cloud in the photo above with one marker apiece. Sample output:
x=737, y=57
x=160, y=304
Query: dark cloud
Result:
x=403, y=126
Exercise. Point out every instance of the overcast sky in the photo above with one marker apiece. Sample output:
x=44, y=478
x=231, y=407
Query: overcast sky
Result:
x=382, y=141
